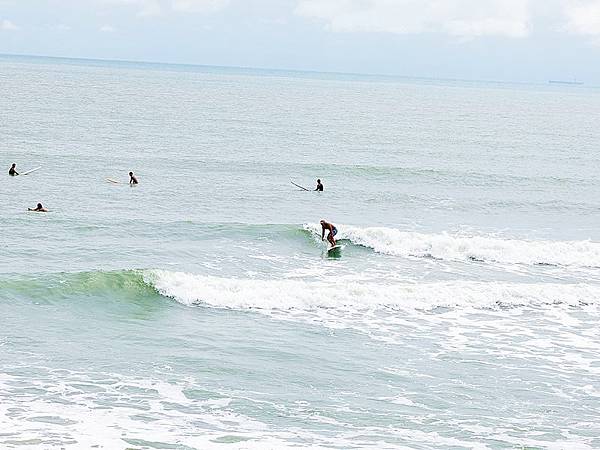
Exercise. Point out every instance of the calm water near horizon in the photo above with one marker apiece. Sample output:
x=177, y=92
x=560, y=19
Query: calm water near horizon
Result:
x=200, y=310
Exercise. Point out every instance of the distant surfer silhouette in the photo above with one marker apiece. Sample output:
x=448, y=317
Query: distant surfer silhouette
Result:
x=13, y=170
x=132, y=179
x=332, y=232
x=38, y=208
x=319, y=186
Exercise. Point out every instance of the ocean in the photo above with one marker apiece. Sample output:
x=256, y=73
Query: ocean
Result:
x=200, y=309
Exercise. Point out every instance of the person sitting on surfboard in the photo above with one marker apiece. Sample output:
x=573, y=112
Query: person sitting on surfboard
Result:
x=13, y=170
x=132, y=178
x=332, y=232
x=319, y=186
x=38, y=208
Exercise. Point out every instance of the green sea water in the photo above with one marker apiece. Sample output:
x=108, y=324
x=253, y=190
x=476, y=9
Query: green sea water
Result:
x=199, y=309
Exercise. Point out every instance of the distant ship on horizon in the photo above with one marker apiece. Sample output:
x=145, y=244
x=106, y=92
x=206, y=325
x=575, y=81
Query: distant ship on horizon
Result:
x=572, y=82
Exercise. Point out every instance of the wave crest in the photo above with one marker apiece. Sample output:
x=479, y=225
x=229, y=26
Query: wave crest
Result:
x=454, y=247
x=121, y=283
x=288, y=295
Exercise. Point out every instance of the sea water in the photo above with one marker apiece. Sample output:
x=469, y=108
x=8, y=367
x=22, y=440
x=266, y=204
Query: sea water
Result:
x=200, y=310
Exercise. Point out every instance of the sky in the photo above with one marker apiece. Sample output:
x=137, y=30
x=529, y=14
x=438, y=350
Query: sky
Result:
x=505, y=40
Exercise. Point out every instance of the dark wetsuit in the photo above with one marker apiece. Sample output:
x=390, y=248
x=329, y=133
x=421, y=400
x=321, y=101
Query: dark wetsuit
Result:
x=320, y=187
x=12, y=172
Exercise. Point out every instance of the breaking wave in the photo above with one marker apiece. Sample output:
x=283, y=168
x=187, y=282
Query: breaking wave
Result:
x=291, y=295
x=458, y=247
x=196, y=290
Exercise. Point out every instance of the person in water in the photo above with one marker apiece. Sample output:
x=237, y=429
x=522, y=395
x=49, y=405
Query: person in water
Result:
x=319, y=186
x=332, y=232
x=132, y=178
x=38, y=208
x=13, y=170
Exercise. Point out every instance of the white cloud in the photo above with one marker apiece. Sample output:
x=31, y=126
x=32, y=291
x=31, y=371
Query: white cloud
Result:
x=462, y=18
x=107, y=29
x=583, y=17
x=7, y=25
x=198, y=5
x=149, y=9
x=145, y=7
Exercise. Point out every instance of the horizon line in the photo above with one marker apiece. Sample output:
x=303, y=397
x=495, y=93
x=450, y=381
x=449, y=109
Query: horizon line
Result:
x=280, y=70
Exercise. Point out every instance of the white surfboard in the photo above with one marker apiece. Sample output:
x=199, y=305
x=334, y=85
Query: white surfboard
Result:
x=298, y=186
x=110, y=180
x=31, y=171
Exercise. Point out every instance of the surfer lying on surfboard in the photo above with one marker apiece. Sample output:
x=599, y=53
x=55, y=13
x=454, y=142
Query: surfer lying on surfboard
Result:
x=332, y=232
x=38, y=208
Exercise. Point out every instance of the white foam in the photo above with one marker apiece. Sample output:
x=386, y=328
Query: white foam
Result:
x=51, y=410
x=289, y=295
x=460, y=247
x=112, y=417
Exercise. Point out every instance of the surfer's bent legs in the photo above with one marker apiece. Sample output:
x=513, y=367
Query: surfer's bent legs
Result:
x=331, y=236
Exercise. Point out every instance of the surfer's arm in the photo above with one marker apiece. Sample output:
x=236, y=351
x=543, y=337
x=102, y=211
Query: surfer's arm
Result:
x=322, y=233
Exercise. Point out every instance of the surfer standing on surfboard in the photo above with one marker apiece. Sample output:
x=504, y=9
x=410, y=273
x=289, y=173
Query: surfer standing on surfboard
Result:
x=332, y=232
x=319, y=186
x=13, y=170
